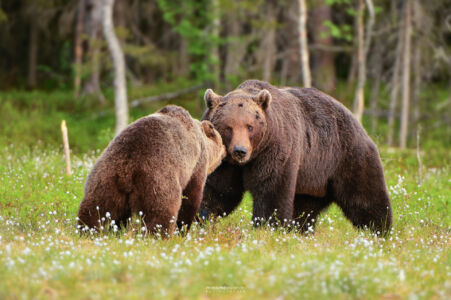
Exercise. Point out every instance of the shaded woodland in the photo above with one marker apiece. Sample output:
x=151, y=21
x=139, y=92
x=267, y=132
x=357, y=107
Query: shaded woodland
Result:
x=389, y=61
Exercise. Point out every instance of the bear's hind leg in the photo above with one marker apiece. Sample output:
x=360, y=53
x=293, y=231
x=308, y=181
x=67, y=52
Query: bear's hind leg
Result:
x=101, y=205
x=157, y=207
x=375, y=216
x=192, y=197
x=361, y=193
x=306, y=211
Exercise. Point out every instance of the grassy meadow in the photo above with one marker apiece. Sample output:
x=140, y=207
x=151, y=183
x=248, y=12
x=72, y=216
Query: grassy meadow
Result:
x=42, y=256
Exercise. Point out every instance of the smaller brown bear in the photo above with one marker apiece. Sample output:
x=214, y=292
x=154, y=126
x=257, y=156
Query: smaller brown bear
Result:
x=148, y=167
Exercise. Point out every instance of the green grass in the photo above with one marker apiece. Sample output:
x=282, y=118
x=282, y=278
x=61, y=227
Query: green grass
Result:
x=42, y=256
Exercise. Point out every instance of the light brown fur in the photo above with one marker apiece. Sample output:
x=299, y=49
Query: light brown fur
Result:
x=148, y=167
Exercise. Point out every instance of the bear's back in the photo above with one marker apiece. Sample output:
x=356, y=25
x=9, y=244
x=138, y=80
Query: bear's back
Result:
x=159, y=145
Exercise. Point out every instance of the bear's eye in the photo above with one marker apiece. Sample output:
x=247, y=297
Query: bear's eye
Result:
x=250, y=128
x=228, y=129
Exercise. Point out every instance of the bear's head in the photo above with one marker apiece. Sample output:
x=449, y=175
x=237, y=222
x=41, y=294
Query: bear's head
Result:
x=215, y=148
x=241, y=120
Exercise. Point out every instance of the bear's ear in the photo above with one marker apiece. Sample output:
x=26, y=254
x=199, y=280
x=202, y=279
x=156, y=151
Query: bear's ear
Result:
x=208, y=129
x=263, y=99
x=211, y=99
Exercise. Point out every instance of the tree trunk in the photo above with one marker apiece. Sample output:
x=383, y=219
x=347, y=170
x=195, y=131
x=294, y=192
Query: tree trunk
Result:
x=78, y=47
x=236, y=49
x=291, y=72
x=323, y=61
x=376, y=81
x=268, y=43
x=359, y=92
x=363, y=45
x=32, y=54
x=120, y=9
x=416, y=64
x=216, y=24
x=120, y=89
x=284, y=71
x=394, y=92
x=416, y=86
x=184, y=59
x=406, y=77
x=303, y=46
x=352, y=68
x=93, y=28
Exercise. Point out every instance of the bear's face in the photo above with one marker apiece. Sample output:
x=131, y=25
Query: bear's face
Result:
x=240, y=118
x=215, y=147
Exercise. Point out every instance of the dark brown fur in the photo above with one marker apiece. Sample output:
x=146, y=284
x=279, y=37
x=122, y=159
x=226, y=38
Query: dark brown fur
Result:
x=305, y=150
x=148, y=167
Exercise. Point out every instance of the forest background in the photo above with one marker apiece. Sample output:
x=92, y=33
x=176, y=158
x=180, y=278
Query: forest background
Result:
x=392, y=56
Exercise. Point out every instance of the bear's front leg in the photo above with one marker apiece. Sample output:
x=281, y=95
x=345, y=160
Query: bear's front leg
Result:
x=273, y=198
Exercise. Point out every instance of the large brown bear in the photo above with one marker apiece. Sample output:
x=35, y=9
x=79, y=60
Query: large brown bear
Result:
x=148, y=167
x=296, y=150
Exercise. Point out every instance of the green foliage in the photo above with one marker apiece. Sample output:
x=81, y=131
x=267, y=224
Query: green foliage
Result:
x=342, y=31
x=193, y=21
x=338, y=32
x=332, y=2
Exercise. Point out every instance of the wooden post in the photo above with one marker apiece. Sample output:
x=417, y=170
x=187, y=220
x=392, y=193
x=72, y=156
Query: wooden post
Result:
x=66, y=146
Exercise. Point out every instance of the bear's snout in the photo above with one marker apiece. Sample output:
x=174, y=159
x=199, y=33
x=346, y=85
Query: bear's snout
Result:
x=239, y=153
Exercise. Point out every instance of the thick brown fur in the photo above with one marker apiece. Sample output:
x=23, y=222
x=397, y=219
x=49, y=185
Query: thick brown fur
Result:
x=297, y=150
x=148, y=167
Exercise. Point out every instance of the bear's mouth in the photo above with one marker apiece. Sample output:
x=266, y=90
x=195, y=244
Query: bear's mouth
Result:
x=237, y=159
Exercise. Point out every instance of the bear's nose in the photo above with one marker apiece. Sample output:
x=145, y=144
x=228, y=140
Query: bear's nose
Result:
x=239, y=151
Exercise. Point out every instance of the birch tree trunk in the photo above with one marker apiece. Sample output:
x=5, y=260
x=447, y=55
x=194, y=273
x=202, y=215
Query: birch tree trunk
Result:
x=303, y=46
x=406, y=77
x=358, y=97
x=120, y=89
x=78, y=49
x=363, y=44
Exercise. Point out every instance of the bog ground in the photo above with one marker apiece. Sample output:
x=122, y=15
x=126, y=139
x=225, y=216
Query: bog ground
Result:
x=43, y=257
